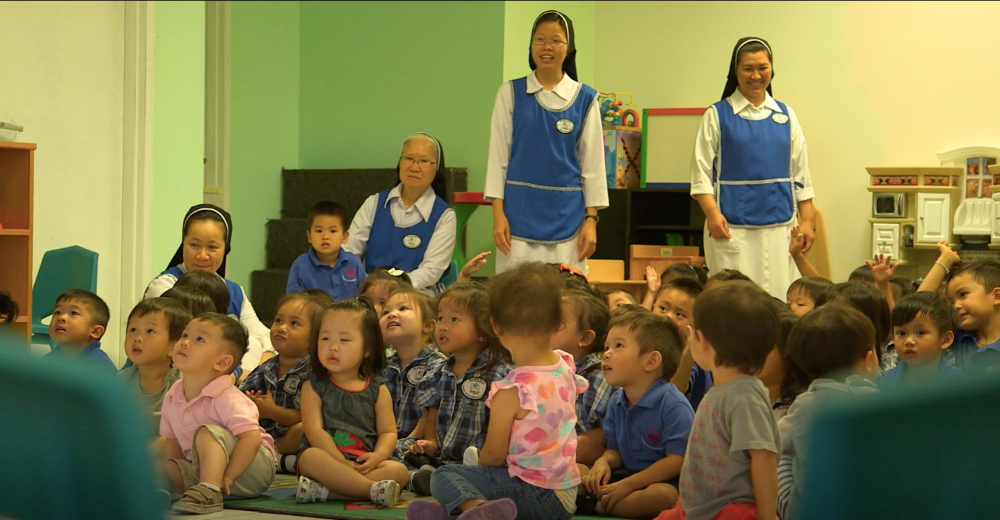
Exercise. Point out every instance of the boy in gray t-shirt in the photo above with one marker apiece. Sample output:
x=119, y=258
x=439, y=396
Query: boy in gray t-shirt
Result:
x=730, y=467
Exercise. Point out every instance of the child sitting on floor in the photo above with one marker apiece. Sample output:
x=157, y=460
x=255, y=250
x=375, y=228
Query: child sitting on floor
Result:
x=276, y=385
x=327, y=266
x=802, y=294
x=675, y=301
x=381, y=282
x=214, y=444
x=78, y=323
x=923, y=327
x=647, y=425
x=834, y=349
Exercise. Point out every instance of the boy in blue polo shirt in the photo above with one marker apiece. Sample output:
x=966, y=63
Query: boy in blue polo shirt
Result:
x=923, y=326
x=78, y=323
x=326, y=266
x=647, y=424
x=974, y=291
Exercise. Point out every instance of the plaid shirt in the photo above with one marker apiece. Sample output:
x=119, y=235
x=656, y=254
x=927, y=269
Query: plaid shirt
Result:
x=285, y=390
x=403, y=385
x=461, y=402
x=592, y=405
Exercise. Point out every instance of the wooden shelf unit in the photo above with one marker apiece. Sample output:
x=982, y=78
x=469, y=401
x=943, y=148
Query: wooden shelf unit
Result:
x=17, y=179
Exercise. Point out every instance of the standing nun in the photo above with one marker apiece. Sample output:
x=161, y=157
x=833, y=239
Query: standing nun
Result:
x=750, y=175
x=546, y=173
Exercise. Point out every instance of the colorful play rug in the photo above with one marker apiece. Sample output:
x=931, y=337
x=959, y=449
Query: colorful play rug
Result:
x=280, y=499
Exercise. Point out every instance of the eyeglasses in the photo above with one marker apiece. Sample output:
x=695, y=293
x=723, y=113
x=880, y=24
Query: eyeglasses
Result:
x=423, y=163
x=541, y=42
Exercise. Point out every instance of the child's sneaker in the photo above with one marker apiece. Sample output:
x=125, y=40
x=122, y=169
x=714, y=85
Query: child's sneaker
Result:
x=500, y=509
x=199, y=499
x=421, y=481
x=384, y=493
x=309, y=491
x=471, y=456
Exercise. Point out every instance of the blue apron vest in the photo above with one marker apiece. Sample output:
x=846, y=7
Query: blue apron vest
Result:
x=543, y=195
x=754, y=187
x=235, y=293
x=395, y=245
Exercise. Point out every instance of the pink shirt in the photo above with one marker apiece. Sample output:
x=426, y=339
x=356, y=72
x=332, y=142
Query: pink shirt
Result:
x=543, y=443
x=219, y=403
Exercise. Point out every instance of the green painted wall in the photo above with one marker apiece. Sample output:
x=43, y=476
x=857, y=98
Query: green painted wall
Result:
x=178, y=122
x=374, y=72
x=264, y=123
x=518, y=19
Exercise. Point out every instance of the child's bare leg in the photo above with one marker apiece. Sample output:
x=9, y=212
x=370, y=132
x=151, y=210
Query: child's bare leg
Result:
x=211, y=457
x=389, y=470
x=174, y=476
x=647, y=503
x=336, y=476
x=291, y=441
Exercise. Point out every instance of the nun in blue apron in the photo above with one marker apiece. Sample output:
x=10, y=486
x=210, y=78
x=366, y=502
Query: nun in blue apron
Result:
x=750, y=175
x=205, y=243
x=545, y=173
x=409, y=227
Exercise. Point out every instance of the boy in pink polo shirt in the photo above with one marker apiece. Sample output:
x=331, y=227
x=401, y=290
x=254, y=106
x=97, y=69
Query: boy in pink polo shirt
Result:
x=214, y=444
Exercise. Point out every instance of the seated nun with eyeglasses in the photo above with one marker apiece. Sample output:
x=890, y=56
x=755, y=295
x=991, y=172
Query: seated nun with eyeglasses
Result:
x=409, y=227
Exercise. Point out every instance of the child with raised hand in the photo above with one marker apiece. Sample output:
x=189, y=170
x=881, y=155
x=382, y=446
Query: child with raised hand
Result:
x=795, y=246
x=472, y=267
x=941, y=270
x=675, y=301
x=526, y=467
x=653, y=284
x=802, y=294
x=407, y=323
x=276, y=385
x=647, y=425
x=154, y=326
x=347, y=416
x=883, y=271
x=923, y=327
x=381, y=282
x=866, y=298
x=582, y=335
x=214, y=445
x=731, y=461
x=454, y=396
x=834, y=349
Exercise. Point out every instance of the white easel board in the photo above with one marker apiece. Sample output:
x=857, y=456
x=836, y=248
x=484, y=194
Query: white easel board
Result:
x=668, y=136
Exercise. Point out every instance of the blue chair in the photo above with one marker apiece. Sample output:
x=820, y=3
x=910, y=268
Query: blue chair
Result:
x=452, y=274
x=62, y=269
x=76, y=448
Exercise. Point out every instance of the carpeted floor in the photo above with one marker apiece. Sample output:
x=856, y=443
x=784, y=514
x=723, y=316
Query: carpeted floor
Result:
x=280, y=499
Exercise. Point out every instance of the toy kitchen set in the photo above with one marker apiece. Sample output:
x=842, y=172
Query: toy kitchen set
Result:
x=914, y=208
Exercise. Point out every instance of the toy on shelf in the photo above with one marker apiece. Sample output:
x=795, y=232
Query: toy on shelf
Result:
x=622, y=139
x=613, y=112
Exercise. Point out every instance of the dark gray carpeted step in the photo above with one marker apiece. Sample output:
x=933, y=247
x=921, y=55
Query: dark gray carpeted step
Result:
x=266, y=288
x=286, y=240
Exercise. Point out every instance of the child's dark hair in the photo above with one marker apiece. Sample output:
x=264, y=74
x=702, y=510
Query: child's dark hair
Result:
x=812, y=286
x=8, y=307
x=631, y=298
x=571, y=277
x=930, y=304
x=330, y=209
x=901, y=287
x=234, y=335
x=374, y=362
x=311, y=302
x=472, y=298
x=654, y=332
x=985, y=272
x=211, y=284
x=629, y=308
x=320, y=294
x=830, y=340
x=592, y=313
x=794, y=382
x=866, y=298
x=99, y=312
x=388, y=278
x=686, y=285
x=527, y=299
x=740, y=321
x=681, y=270
x=862, y=274
x=728, y=275
x=177, y=315
x=427, y=305
x=191, y=298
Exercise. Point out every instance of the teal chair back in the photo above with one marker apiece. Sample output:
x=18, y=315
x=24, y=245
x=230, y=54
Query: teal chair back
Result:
x=452, y=274
x=62, y=269
x=920, y=454
x=75, y=447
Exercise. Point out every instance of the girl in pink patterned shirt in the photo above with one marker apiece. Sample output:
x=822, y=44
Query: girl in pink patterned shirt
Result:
x=527, y=467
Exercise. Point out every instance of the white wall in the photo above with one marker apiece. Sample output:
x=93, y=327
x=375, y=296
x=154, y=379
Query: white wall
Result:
x=62, y=80
x=873, y=83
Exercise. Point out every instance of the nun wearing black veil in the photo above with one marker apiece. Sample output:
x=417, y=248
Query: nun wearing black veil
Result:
x=750, y=175
x=545, y=174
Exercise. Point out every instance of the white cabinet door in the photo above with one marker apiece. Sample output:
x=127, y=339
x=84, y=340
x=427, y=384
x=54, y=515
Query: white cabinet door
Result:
x=885, y=239
x=933, y=217
x=995, y=220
